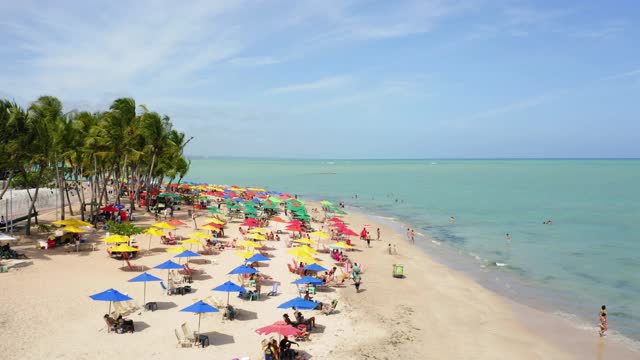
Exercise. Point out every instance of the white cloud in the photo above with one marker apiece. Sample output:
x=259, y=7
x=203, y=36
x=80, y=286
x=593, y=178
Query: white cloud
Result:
x=332, y=82
x=254, y=61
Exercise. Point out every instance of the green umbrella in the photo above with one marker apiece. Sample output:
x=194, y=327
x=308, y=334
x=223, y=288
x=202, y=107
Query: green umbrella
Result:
x=213, y=210
x=326, y=203
x=169, y=195
x=275, y=200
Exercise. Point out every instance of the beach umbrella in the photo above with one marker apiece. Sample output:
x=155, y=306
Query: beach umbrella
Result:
x=249, y=244
x=109, y=208
x=116, y=239
x=176, y=249
x=209, y=227
x=280, y=328
x=72, y=222
x=215, y=220
x=258, y=230
x=191, y=242
x=341, y=245
x=305, y=241
x=123, y=248
x=243, y=269
x=320, y=234
x=308, y=280
x=187, y=254
x=250, y=222
x=326, y=203
x=110, y=295
x=229, y=287
x=245, y=254
x=163, y=225
x=213, y=210
x=73, y=229
x=217, y=226
x=257, y=257
x=335, y=219
x=348, y=232
x=168, y=265
x=257, y=237
x=176, y=222
x=307, y=259
x=298, y=303
x=300, y=251
x=314, y=267
x=200, y=308
x=153, y=232
x=144, y=277
x=278, y=219
x=199, y=235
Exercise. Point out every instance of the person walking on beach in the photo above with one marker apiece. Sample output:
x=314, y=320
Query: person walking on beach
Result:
x=603, y=324
x=389, y=249
x=413, y=236
x=408, y=234
x=378, y=234
x=357, y=282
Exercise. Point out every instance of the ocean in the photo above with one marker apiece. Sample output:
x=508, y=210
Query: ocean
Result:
x=589, y=256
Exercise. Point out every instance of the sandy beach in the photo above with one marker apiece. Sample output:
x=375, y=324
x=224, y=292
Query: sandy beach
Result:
x=433, y=312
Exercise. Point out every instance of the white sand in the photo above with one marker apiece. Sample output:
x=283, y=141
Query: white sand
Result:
x=434, y=312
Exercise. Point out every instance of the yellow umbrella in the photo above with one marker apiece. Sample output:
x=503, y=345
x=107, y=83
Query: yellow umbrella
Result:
x=73, y=229
x=215, y=221
x=257, y=189
x=258, y=230
x=72, y=222
x=305, y=241
x=115, y=239
x=199, y=235
x=342, y=245
x=191, y=242
x=244, y=254
x=299, y=251
x=123, y=248
x=308, y=260
x=250, y=244
x=209, y=227
x=308, y=249
x=256, y=237
x=176, y=249
x=154, y=232
x=163, y=225
x=320, y=234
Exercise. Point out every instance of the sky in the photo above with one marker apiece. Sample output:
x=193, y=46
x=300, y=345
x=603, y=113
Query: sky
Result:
x=345, y=78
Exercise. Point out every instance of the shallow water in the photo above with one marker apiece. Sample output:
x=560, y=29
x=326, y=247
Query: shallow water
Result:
x=587, y=257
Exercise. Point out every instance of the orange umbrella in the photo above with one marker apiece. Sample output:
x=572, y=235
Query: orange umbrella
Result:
x=278, y=219
x=176, y=222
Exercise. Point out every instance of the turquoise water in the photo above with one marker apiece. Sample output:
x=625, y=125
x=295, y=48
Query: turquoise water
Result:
x=588, y=257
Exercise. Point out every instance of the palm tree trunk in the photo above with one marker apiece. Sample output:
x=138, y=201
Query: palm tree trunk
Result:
x=153, y=161
x=6, y=185
x=32, y=207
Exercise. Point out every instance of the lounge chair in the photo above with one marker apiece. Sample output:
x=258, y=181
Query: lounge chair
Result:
x=120, y=309
x=274, y=290
x=330, y=309
x=131, y=305
x=189, y=335
x=182, y=342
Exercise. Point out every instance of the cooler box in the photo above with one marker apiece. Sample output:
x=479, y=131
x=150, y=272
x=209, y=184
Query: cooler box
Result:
x=398, y=270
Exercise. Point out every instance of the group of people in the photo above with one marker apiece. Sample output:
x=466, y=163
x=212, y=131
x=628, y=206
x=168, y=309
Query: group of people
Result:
x=119, y=325
x=279, y=351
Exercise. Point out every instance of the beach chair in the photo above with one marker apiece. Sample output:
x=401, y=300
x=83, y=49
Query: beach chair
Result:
x=274, y=290
x=291, y=269
x=330, y=309
x=182, y=342
x=189, y=335
x=120, y=309
x=131, y=306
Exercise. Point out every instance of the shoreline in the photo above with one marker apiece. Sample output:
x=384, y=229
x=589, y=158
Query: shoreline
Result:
x=435, y=312
x=566, y=333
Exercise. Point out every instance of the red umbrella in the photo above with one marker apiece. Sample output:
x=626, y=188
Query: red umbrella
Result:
x=176, y=222
x=280, y=328
x=348, y=232
x=109, y=208
x=218, y=226
x=250, y=222
x=335, y=219
x=285, y=196
x=295, y=222
x=294, y=228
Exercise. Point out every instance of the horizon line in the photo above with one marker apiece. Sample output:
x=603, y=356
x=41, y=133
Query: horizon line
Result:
x=211, y=157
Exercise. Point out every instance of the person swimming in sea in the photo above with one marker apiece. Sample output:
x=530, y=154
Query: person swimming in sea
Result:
x=603, y=320
x=452, y=219
x=548, y=222
x=508, y=237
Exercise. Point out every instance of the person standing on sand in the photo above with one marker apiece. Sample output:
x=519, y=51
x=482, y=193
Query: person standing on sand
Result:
x=408, y=234
x=413, y=236
x=603, y=324
x=378, y=234
x=357, y=282
x=193, y=217
x=389, y=249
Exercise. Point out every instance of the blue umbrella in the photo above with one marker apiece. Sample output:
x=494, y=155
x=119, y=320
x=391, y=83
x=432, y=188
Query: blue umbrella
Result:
x=199, y=308
x=314, y=267
x=243, y=269
x=144, y=277
x=229, y=287
x=110, y=295
x=308, y=280
x=298, y=303
x=187, y=254
x=257, y=257
x=168, y=265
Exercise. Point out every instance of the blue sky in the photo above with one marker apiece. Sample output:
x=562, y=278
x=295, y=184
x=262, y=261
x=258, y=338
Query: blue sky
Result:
x=345, y=79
